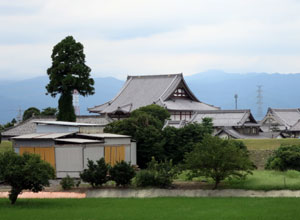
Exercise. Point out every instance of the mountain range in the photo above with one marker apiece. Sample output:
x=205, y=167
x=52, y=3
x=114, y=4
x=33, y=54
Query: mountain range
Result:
x=213, y=87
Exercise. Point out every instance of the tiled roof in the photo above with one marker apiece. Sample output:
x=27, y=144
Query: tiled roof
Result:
x=140, y=91
x=286, y=117
x=226, y=118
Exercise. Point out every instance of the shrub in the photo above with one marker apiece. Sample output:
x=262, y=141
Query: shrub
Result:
x=157, y=174
x=145, y=178
x=67, y=183
x=285, y=158
x=28, y=171
x=96, y=173
x=122, y=173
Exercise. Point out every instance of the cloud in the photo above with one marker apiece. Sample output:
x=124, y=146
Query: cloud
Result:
x=152, y=37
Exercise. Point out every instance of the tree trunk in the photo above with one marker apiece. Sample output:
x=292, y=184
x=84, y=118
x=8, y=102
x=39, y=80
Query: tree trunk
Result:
x=13, y=195
x=217, y=181
x=65, y=108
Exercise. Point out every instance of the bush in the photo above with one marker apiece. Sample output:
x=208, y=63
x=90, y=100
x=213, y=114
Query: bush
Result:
x=285, y=158
x=122, y=173
x=157, y=174
x=28, y=171
x=67, y=183
x=96, y=173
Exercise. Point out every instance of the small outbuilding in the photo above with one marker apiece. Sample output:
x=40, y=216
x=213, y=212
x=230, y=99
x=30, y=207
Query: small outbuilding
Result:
x=68, y=152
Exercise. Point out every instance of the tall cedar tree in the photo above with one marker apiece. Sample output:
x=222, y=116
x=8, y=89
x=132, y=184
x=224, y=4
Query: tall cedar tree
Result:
x=67, y=73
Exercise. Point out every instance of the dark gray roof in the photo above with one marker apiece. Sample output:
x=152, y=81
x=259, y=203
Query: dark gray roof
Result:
x=140, y=91
x=286, y=118
x=29, y=126
x=227, y=118
x=234, y=134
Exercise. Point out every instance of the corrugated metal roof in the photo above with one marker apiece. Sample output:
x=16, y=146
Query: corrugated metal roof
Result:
x=65, y=123
x=104, y=135
x=28, y=126
x=78, y=140
x=43, y=135
x=140, y=91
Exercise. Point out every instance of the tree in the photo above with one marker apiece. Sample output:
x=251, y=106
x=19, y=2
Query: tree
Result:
x=67, y=73
x=30, y=112
x=178, y=141
x=285, y=158
x=49, y=111
x=145, y=126
x=26, y=172
x=218, y=159
x=122, y=173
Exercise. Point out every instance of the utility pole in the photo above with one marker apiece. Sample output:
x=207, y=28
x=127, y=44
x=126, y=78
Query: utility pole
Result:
x=236, y=99
x=259, y=101
x=76, y=102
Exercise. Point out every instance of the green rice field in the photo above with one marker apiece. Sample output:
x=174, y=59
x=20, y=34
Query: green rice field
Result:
x=154, y=208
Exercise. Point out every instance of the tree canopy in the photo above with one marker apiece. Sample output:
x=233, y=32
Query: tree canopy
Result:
x=218, y=159
x=26, y=172
x=32, y=111
x=145, y=125
x=68, y=73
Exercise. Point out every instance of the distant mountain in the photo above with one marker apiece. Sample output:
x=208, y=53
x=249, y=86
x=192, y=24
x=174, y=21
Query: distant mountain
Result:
x=27, y=93
x=213, y=87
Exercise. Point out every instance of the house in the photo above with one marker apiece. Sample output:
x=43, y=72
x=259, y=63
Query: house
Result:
x=29, y=126
x=67, y=148
x=286, y=121
x=168, y=91
x=237, y=124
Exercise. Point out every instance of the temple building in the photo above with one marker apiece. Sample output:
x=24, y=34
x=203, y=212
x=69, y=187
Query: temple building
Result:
x=286, y=121
x=168, y=91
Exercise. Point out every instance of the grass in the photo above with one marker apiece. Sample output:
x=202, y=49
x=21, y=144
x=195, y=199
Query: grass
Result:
x=260, y=180
x=5, y=146
x=268, y=144
x=152, y=208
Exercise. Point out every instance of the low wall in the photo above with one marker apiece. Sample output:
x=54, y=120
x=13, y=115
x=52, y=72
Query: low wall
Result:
x=260, y=157
x=152, y=193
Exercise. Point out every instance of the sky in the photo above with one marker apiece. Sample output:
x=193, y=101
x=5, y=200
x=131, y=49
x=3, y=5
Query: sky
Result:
x=137, y=37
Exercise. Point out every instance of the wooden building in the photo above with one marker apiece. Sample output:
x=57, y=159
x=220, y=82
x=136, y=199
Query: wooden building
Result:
x=286, y=121
x=168, y=91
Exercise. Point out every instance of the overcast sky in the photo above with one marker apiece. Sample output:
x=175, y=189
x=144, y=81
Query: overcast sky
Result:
x=152, y=37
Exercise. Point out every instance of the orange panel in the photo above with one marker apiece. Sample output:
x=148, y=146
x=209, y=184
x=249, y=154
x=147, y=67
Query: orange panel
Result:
x=40, y=151
x=107, y=154
x=122, y=153
x=49, y=155
x=26, y=149
x=113, y=155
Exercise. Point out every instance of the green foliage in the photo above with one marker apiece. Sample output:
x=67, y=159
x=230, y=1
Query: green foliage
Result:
x=32, y=111
x=66, y=109
x=154, y=110
x=178, y=141
x=122, y=173
x=285, y=158
x=26, y=172
x=67, y=183
x=96, y=173
x=219, y=159
x=67, y=73
x=145, y=128
x=157, y=174
x=49, y=111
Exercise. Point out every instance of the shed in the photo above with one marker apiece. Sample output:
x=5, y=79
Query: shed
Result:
x=69, y=152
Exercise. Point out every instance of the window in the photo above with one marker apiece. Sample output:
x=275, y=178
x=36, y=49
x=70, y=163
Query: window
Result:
x=180, y=92
x=178, y=116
